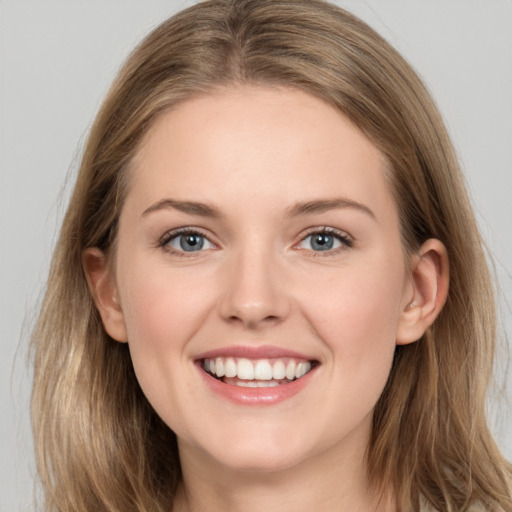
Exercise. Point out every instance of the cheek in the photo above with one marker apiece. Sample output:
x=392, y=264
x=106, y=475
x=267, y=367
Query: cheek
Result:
x=358, y=316
x=160, y=309
x=162, y=315
x=364, y=297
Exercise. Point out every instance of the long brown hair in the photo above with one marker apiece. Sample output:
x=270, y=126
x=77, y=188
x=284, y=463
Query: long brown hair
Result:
x=100, y=446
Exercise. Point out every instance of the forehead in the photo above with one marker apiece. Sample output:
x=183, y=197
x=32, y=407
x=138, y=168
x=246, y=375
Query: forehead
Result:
x=279, y=144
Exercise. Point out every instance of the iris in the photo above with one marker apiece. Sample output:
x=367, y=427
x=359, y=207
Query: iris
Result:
x=322, y=242
x=191, y=242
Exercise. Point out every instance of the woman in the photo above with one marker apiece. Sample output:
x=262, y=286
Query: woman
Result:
x=269, y=288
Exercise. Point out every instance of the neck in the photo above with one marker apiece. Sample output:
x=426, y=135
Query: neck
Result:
x=331, y=481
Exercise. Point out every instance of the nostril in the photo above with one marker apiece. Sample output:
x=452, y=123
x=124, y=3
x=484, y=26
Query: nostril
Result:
x=254, y=323
x=254, y=304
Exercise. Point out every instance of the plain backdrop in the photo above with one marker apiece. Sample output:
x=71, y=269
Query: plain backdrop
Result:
x=57, y=59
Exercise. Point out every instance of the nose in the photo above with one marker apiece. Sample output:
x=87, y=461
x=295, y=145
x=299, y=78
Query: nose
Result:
x=254, y=291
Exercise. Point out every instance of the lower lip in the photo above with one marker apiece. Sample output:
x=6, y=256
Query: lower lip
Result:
x=256, y=396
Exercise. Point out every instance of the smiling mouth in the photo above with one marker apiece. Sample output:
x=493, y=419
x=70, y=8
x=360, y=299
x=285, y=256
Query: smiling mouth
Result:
x=259, y=373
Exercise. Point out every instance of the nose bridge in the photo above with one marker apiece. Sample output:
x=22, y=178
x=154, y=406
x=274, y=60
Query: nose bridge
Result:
x=254, y=293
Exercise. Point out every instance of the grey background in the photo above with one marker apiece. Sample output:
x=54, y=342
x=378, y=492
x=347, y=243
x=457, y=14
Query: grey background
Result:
x=57, y=59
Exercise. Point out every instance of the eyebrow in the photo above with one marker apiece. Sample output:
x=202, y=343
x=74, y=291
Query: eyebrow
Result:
x=296, y=210
x=190, y=207
x=324, y=205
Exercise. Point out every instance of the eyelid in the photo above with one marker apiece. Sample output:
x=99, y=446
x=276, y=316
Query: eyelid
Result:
x=164, y=240
x=345, y=238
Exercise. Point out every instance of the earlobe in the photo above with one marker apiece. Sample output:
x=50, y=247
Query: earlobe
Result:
x=430, y=282
x=103, y=288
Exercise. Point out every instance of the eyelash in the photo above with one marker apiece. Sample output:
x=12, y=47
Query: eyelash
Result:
x=345, y=240
x=175, y=233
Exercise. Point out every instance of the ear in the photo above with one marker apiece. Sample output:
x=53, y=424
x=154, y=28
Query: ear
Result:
x=103, y=288
x=428, y=291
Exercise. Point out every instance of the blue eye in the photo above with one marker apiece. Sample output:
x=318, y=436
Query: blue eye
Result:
x=324, y=241
x=188, y=242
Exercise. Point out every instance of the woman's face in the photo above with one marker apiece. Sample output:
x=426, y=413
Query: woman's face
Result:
x=260, y=240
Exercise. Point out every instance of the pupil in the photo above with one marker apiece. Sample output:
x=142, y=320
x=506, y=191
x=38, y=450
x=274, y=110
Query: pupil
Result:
x=191, y=242
x=322, y=242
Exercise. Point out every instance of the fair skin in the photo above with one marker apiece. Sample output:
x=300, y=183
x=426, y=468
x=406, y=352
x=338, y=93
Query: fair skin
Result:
x=289, y=250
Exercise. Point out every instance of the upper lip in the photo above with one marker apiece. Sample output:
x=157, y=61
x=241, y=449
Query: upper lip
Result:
x=253, y=352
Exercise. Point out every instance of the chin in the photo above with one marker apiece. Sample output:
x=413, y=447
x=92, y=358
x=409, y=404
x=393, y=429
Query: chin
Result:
x=254, y=461
x=264, y=453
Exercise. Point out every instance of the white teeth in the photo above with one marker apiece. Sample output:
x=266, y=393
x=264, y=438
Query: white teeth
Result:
x=247, y=384
x=302, y=369
x=278, y=371
x=219, y=367
x=290, y=370
x=257, y=383
x=262, y=370
x=230, y=368
x=245, y=369
x=268, y=384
